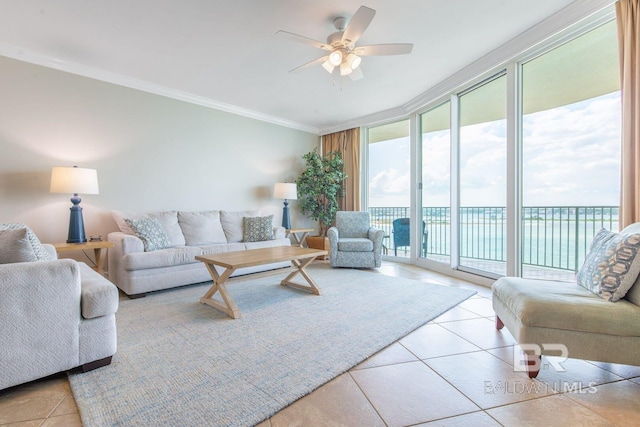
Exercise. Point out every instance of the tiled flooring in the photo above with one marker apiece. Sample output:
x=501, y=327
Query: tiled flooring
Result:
x=455, y=371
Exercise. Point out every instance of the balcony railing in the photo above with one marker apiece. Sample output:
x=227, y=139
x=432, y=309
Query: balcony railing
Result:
x=552, y=236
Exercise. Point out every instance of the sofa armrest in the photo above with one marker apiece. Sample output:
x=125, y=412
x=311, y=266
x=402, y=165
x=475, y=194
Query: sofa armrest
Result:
x=279, y=232
x=126, y=243
x=333, y=235
x=123, y=244
x=51, y=250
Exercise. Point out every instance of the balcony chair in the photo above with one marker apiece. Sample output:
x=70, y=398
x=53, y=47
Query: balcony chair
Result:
x=402, y=235
x=353, y=242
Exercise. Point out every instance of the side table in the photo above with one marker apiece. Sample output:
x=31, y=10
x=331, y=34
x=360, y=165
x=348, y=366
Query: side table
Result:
x=299, y=235
x=97, y=247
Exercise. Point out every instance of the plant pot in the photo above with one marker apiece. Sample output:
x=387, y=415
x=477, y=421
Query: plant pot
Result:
x=319, y=242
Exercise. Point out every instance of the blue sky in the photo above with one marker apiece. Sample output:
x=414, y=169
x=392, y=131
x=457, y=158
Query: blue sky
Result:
x=572, y=159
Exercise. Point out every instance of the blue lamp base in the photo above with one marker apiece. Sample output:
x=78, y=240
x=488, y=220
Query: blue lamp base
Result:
x=76, y=223
x=286, y=219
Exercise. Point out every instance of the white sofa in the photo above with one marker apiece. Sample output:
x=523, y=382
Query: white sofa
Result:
x=137, y=271
x=56, y=315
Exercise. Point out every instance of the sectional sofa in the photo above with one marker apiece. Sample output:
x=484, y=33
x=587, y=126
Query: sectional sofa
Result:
x=157, y=250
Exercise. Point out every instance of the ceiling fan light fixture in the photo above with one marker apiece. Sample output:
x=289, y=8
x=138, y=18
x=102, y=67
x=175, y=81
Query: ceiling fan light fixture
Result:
x=327, y=65
x=345, y=69
x=353, y=60
x=335, y=58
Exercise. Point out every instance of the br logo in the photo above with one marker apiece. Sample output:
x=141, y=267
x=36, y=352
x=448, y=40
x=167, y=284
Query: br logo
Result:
x=520, y=365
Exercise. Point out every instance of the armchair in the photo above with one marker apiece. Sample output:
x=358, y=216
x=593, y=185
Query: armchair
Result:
x=56, y=315
x=353, y=242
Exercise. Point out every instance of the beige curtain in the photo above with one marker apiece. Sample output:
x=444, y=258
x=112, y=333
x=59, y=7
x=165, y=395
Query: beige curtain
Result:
x=628, y=32
x=347, y=142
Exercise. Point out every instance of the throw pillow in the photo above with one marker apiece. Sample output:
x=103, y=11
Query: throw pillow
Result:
x=150, y=231
x=611, y=265
x=258, y=228
x=15, y=246
x=39, y=251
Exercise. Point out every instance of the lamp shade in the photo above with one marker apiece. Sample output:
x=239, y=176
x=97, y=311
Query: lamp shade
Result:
x=285, y=190
x=74, y=180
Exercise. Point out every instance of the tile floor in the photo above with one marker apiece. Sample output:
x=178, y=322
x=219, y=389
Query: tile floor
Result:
x=455, y=371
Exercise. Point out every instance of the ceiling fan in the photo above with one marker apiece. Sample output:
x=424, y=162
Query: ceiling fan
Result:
x=343, y=53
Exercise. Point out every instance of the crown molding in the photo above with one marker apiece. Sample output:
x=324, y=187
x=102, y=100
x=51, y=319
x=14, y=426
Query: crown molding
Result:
x=25, y=55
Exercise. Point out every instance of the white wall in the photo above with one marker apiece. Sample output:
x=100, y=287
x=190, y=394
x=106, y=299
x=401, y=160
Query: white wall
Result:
x=151, y=152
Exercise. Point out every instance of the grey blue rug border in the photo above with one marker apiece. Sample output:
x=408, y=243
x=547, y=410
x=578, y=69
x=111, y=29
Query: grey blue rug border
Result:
x=104, y=396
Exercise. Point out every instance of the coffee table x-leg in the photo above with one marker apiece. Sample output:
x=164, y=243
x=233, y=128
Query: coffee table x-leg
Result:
x=300, y=259
x=300, y=269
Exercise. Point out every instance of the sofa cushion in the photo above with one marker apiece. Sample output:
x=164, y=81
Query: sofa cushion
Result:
x=161, y=258
x=233, y=224
x=15, y=247
x=201, y=228
x=267, y=243
x=220, y=248
x=355, y=245
x=40, y=252
x=150, y=231
x=168, y=220
x=612, y=264
x=566, y=306
x=258, y=228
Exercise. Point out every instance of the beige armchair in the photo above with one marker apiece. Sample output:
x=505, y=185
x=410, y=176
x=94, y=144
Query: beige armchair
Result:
x=551, y=318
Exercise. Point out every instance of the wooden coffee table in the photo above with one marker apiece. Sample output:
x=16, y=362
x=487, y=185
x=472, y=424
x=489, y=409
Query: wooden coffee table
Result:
x=300, y=258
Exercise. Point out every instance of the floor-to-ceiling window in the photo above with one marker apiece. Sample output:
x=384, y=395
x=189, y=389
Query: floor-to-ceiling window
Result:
x=389, y=184
x=435, y=183
x=482, y=171
x=570, y=151
x=526, y=158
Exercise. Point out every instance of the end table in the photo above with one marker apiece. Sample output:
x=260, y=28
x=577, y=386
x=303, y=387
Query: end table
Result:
x=97, y=247
x=299, y=235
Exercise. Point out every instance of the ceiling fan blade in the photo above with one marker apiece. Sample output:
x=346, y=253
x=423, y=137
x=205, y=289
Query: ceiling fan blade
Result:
x=359, y=22
x=304, y=40
x=356, y=74
x=384, y=49
x=309, y=64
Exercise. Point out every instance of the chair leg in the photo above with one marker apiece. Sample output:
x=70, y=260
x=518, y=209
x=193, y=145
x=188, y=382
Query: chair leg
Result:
x=533, y=364
x=499, y=324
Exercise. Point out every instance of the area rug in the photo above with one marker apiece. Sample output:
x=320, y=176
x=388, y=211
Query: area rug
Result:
x=180, y=362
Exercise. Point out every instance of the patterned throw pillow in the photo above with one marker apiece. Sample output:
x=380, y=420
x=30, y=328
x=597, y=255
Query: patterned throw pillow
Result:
x=40, y=252
x=611, y=265
x=15, y=247
x=258, y=228
x=150, y=231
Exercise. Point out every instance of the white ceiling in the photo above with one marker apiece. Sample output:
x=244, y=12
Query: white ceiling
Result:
x=225, y=52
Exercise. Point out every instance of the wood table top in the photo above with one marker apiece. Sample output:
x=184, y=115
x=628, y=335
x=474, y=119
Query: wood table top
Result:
x=253, y=257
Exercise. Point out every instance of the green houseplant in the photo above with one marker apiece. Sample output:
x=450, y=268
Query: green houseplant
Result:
x=320, y=187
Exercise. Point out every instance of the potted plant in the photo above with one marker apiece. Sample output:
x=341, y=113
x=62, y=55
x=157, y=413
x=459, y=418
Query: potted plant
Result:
x=320, y=187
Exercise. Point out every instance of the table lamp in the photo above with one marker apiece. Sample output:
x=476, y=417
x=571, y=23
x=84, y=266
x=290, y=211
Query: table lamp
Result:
x=286, y=191
x=74, y=180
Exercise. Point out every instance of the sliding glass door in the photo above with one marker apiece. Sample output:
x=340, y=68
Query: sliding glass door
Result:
x=570, y=152
x=389, y=185
x=435, y=184
x=482, y=178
